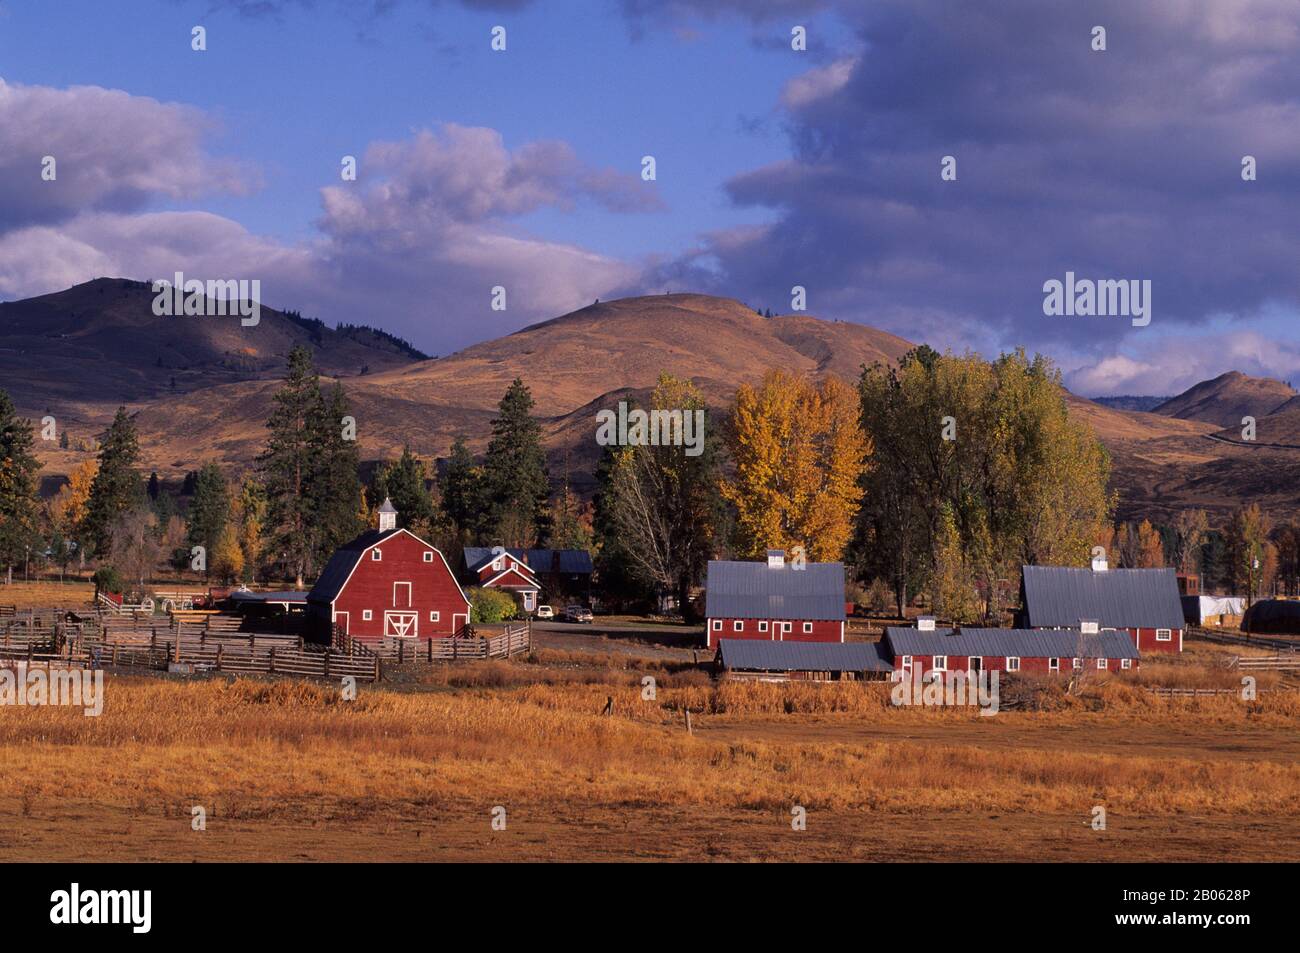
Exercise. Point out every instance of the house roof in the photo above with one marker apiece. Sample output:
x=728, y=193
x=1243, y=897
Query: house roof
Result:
x=576, y=562
x=245, y=595
x=1121, y=598
x=765, y=656
x=1024, y=643
x=753, y=590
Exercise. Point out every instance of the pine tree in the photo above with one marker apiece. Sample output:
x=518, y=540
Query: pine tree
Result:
x=18, y=502
x=404, y=484
x=515, y=471
x=463, y=498
x=335, y=491
x=117, y=488
x=289, y=465
x=209, y=510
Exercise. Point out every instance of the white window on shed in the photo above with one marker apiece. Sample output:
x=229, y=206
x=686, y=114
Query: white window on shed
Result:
x=1101, y=663
x=738, y=626
x=1078, y=663
x=1164, y=635
x=940, y=663
x=1126, y=663
x=807, y=628
x=1013, y=663
x=762, y=627
x=717, y=625
x=1053, y=664
x=907, y=663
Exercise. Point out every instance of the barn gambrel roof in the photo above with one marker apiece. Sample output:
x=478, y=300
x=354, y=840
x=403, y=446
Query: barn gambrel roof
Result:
x=339, y=569
x=1059, y=596
x=1021, y=643
x=761, y=655
x=753, y=590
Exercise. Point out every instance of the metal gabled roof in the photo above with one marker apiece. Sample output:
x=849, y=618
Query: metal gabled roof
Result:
x=765, y=656
x=753, y=590
x=1059, y=596
x=570, y=561
x=1022, y=643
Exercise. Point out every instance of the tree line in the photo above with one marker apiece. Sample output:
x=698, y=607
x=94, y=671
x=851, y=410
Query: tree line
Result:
x=940, y=475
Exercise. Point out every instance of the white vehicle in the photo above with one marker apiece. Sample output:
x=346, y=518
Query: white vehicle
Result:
x=545, y=612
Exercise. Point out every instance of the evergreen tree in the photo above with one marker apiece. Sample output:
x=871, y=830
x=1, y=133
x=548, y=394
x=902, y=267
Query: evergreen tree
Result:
x=209, y=510
x=117, y=488
x=463, y=499
x=334, y=488
x=153, y=485
x=404, y=483
x=514, y=471
x=289, y=464
x=18, y=502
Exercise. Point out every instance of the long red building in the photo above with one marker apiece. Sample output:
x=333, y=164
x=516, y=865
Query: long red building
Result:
x=775, y=600
x=388, y=583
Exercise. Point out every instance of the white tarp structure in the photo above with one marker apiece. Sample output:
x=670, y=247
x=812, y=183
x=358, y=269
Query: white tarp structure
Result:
x=1211, y=607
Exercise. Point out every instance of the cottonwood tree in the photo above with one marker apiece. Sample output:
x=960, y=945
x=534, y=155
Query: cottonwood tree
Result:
x=990, y=444
x=136, y=548
x=1139, y=546
x=19, y=507
x=798, y=451
x=1246, y=551
x=117, y=488
x=514, y=472
x=660, y=505
x=1189, y=529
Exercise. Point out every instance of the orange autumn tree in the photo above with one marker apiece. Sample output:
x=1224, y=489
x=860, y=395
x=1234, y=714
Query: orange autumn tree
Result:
x=798, y=449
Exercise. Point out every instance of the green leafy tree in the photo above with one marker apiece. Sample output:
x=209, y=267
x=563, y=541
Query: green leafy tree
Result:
x=514, y=471
x=491, y=605
x=117, y=488
x=19, y=508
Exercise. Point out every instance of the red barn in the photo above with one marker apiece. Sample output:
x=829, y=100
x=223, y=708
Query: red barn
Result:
x=388, y=583
x=775, y=600
x=1141, y=602
x=1048, y=652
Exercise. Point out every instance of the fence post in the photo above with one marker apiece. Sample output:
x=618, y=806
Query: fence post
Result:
x=327, y=663
x=271, y=669
x=377, y=671
x=220, y=647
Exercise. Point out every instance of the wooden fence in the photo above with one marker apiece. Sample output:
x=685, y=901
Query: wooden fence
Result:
x=514, y=640
x=1277, y=663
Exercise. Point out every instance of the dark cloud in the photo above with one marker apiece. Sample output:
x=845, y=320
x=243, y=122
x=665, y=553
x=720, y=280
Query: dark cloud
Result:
x=1122, y=164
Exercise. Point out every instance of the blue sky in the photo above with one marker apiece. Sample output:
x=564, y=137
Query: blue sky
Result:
x=775, y=167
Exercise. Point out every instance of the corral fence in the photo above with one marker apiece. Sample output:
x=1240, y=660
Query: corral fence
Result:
x=1259, y=641
x=1276, y=663
x=466, y=645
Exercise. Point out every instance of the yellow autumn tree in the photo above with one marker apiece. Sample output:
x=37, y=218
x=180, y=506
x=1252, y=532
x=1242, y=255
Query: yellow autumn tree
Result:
x=798, y=451
x=228, y=559
x=68, y=507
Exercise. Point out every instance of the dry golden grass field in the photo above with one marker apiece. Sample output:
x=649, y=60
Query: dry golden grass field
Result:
x=412, y=769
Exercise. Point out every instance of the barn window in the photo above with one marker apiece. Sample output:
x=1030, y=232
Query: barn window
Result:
x=1078, y=663
x=786, y=626
x=717, y=625
x=1164, y=635
x=1101, y=663
x=428, y=557
x=807, y=628
x=367, y=615
x=1053, y=664
x=375, y=555
x=433, y=616
x=940, y=663
x=1013, y=663
x=738, y=626
x=762, y=627
x=1126, y=663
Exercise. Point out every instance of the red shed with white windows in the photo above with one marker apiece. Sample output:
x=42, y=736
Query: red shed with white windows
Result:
x=777, y=600
x=388, y=583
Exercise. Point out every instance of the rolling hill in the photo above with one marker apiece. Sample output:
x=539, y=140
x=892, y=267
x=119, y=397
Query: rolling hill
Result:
x=574, y=364
x=1227, y=398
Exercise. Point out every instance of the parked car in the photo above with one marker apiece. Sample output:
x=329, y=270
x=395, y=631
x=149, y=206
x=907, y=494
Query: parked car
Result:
x=577, y=614
x=545, y=612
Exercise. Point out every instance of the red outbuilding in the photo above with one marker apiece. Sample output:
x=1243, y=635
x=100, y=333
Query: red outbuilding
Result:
x=927, y=648
x=388, y=583
x=779, y=601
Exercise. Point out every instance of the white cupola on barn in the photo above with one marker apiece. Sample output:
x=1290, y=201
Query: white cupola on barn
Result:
x=387, y=515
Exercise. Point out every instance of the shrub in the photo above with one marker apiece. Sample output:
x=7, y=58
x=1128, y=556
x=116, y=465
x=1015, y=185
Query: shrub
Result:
x=491, y=605
x=107, y=579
